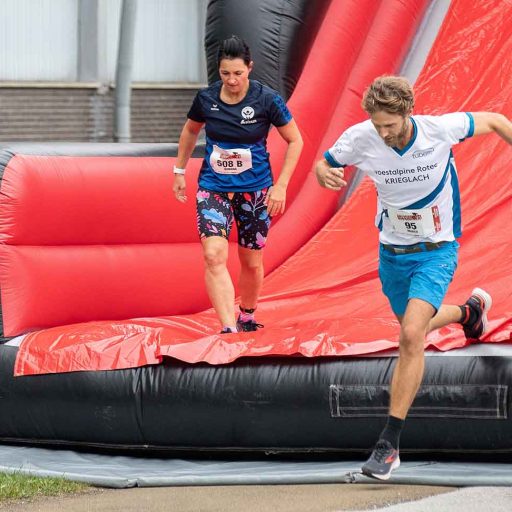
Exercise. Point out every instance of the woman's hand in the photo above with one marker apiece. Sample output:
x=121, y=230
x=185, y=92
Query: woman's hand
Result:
x=179, y=187
x=276, y=199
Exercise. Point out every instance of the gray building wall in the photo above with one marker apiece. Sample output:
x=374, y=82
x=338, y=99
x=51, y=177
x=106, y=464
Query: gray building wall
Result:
x=86, y=114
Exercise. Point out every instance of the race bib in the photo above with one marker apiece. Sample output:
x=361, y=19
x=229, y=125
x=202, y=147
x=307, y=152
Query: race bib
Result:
x=230, y=161
x=424, y=222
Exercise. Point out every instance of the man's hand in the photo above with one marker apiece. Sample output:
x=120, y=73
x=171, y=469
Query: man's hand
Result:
x=179, y=188
x=330, y=177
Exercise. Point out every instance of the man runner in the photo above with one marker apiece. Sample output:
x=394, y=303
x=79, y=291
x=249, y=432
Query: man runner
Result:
x=410, y=160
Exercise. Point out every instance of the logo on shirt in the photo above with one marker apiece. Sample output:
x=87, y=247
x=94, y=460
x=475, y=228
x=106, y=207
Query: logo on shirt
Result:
x=419, y=153
x=214, y=107
x=248, y=114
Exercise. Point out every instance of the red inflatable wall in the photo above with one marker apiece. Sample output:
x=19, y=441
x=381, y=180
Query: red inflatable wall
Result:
x=88, y=238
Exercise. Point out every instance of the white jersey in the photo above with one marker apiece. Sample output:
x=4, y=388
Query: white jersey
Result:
x=418, y=192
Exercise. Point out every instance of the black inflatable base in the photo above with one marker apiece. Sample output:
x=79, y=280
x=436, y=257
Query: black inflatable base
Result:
x=272, y=405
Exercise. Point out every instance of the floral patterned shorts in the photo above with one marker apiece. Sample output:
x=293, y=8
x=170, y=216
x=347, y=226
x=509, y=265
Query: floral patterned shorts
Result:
x=217, y=210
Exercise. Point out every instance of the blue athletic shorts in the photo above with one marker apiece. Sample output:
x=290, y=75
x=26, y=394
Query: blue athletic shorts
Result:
x=420, y=275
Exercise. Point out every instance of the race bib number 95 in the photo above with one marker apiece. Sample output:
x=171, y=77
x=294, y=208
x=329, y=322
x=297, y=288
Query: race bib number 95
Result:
x=423, y=222
x=230, y=161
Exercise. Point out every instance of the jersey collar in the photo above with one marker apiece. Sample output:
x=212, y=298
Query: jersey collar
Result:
x=406, y=148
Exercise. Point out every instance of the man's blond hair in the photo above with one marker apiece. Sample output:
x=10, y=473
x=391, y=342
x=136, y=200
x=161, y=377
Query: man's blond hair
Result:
x=392, y=94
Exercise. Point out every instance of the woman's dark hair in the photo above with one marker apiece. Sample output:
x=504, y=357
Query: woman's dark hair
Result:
x=234, y=48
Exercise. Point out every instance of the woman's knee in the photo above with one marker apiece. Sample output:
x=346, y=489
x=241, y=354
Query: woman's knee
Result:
x=250, y=260
x=253, y=266
x=215, y=257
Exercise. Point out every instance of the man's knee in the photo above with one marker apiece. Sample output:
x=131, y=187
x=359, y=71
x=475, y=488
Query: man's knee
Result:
x=412, y=339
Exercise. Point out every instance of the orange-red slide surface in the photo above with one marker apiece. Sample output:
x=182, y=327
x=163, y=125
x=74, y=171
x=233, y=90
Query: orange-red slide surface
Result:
x=326, y=299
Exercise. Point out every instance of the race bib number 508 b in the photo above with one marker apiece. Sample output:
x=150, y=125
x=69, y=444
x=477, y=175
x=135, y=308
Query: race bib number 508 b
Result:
x=423, y=222
x=230, y=161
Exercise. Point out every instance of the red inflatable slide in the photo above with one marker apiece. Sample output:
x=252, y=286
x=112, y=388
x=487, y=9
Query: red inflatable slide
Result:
x=325, y=299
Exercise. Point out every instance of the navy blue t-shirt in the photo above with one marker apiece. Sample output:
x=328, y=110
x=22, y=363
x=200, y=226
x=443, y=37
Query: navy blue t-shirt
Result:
x=236, y=158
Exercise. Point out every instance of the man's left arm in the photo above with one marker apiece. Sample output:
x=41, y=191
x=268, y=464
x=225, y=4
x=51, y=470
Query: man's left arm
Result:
x=488, y=122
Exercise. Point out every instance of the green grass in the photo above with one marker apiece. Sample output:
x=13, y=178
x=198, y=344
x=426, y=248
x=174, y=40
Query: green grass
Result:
x=17, y=486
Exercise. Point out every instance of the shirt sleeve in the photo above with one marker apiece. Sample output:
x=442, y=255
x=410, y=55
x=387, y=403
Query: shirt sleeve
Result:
x=279, y=113
x=343, y=152
x=196, y=110
x=458, y=126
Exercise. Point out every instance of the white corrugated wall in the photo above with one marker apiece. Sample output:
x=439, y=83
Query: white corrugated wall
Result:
x=39, y=40
x=169, y=37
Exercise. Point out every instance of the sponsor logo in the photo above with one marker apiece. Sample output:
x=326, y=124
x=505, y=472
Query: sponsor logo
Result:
x=401, y=172
x=420, y=153
x=407, y=179
x=248, y=114
x=214, y=107
x=412, y=216
x=225, y=155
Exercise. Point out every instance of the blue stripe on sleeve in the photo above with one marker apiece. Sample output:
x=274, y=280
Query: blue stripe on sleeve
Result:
x=286, y=115
x=471, y=130
x=331, y=160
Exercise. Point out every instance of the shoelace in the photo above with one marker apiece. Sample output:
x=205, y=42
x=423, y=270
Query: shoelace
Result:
x=476, y=306
x=382, y=451
x=250, y=325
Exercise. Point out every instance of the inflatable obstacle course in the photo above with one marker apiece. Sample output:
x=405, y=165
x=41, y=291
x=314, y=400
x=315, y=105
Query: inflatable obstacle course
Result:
x=103, y=226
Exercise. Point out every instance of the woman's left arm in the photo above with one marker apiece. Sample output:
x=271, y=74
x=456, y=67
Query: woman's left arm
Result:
x=489, y=122
x=276, y=198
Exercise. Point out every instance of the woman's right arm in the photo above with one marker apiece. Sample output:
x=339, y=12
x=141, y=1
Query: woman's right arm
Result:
x=187, y=143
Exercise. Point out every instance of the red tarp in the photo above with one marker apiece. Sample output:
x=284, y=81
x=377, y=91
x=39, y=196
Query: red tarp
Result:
x=326, y=299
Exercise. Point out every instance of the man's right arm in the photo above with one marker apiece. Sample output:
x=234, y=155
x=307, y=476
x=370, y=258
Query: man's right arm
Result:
x=330, y=177
x=330, y=170
x=489, y=122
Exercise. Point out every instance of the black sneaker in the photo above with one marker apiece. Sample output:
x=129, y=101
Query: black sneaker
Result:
x=475, y=325
x=226, y=330
x=250, y=325
x=382, y=461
